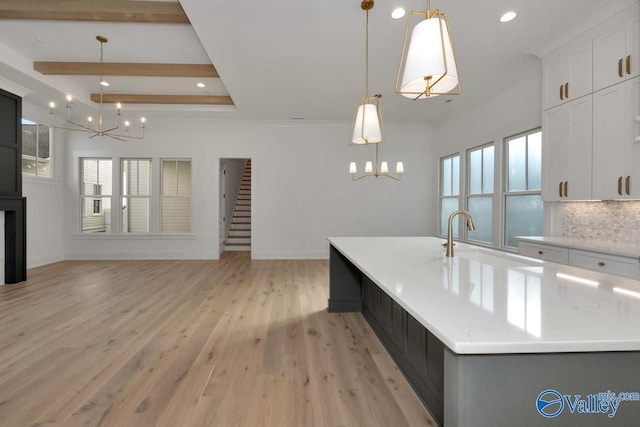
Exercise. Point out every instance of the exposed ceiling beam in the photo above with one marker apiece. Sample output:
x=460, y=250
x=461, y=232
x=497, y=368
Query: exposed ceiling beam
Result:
x=126, y=69
x=95, y=10
x=162, y=99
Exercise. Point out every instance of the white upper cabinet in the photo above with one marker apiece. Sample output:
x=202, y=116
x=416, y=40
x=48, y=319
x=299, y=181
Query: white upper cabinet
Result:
x=616, y=50
x=567, y=75
x=616, y=141
x=567, y=148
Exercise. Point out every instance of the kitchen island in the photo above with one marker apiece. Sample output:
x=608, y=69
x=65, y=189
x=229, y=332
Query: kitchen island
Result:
x=487, y=338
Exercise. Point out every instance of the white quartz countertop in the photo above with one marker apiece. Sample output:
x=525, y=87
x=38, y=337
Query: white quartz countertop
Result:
x=614, y=248
x=485, y=301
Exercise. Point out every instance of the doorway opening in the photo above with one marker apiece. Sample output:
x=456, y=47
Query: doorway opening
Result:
x=235, y=205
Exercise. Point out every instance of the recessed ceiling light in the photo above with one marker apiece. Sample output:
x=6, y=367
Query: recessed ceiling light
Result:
x=200, y=84
x=397, y=13
x=508, y=16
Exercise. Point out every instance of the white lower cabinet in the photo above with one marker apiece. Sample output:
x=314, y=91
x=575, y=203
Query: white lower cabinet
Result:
x=591, y=260
x=610, y=264
x=544, y=252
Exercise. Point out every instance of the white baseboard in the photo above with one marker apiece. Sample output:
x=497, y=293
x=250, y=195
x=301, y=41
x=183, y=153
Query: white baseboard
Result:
x=76, y=256
x=289, y=255
x=43, y=260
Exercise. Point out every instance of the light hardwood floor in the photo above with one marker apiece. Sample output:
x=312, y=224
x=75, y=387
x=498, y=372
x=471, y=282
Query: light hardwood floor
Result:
x=232, y=342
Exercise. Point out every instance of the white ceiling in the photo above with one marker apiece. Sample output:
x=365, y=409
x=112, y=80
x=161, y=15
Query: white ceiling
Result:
x=293, y=59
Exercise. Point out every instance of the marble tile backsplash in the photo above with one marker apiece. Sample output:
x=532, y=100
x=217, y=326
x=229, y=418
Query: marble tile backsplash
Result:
x=611, y=221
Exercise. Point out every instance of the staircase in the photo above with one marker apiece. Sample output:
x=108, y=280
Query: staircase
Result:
x=239, y=237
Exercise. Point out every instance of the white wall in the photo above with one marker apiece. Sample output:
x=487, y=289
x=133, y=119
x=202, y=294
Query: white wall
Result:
x=515, y=110
x=44, y=203
x=301, y=190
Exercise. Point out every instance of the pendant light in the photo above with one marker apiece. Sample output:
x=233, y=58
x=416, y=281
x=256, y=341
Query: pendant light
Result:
x=427, y=65
x=367, y=118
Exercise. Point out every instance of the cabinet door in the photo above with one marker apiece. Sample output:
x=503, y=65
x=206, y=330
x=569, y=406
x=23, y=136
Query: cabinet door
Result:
x=435, y=364
x=608, y=55
x=416, y=345
x=370, y=297
x=567, y=151
x=554, y=76
x=632, y=137
x=616, y=49
x=609, y=124
x=580, y=80
x=567, y=75
x=555, y=151
x=633, y=42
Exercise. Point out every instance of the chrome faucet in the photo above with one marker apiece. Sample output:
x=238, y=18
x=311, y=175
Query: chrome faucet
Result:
x=470, y=225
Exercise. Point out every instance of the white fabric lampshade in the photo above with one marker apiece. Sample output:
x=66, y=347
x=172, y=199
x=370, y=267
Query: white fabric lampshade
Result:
x=352, y=168
x=368, y=167
x=366, y=127
x=425, y=58
x=399, y=168
x=384, y=167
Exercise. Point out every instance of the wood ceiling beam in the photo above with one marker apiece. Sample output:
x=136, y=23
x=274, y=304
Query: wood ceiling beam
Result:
x=162, y=99
x=159, y=12
x=126, y=69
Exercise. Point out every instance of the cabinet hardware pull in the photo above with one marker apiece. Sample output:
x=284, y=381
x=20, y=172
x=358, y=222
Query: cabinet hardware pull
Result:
x=620, y=67
x=627, y=185
x=566, y=189
x=540, y=252
x=628, y=64
x=560, y=189
x=620, y=186
x=566, y=90
x=561, y=94
x=601, y=264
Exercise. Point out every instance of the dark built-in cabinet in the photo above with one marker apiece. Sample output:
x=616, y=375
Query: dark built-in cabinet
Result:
x=11, y=200
x=418, y=353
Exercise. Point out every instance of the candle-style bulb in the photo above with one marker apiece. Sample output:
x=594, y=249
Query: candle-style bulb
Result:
x=368, y=167
x=384, y=168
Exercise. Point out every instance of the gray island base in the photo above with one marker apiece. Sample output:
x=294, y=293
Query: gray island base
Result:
x=489, y=339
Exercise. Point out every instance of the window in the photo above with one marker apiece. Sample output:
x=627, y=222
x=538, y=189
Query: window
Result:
x=523, y=214
x=136, y=195
x=480, y=164
x=36, y=150
x=95, y=195
x=449, y=191
x=176, y=196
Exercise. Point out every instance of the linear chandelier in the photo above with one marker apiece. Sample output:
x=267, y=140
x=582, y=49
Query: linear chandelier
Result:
x=383, y=170
x=114, y=132
x=367, y=122
x=427, y=64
